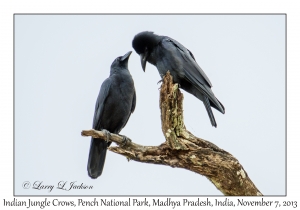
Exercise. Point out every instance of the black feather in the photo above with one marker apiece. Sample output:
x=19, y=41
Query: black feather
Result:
x=169, y=55
x=115, y=103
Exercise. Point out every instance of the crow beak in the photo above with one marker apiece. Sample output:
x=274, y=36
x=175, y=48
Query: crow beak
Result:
x=144, y=57
x=126, y=56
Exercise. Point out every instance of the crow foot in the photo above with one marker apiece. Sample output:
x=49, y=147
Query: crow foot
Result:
x=107, y=134
x=125, y=140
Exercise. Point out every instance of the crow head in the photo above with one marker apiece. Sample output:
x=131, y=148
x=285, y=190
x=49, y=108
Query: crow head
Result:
x=143, y=43
x=121, y=62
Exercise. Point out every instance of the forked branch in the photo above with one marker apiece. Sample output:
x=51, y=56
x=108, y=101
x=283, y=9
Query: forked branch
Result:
x=184, y=150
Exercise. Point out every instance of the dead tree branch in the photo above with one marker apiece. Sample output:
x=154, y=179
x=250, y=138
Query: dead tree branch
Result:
x=184, y=150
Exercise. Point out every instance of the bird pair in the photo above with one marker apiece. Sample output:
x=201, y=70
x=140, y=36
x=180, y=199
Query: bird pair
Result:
x=117, y=99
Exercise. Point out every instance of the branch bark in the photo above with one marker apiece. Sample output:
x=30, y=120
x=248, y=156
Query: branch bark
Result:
x=184, y=150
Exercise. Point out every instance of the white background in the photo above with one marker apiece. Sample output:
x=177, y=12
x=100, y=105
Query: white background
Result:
x=61, y=61
x=63, y=156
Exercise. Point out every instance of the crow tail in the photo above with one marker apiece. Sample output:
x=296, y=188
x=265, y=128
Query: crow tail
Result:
x=97, y=156
x=209, y=111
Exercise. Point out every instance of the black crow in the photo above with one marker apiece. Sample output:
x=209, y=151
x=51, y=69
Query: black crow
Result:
x=169, y=55
x=115, y=103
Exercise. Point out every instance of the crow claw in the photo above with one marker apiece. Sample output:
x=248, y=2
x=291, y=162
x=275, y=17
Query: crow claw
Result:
x=125, y=141
x=107, y=134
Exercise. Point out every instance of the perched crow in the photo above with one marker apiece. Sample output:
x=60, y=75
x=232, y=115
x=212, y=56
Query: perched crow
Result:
x=169, y=55
x=115, y=103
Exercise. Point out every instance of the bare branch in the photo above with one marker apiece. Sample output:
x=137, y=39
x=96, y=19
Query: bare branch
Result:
x=184, y=150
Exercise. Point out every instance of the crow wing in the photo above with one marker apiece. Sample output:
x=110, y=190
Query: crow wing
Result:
x=191, y=65
x=194, y=74
x=100, y=103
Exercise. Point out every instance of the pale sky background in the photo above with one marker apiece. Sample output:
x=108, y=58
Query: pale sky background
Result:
x=62, y=60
